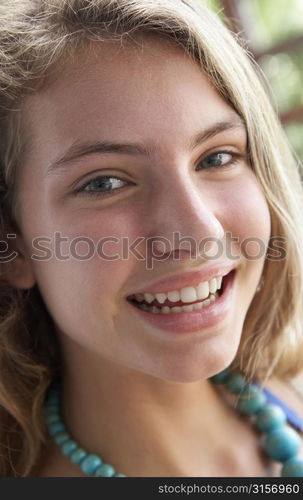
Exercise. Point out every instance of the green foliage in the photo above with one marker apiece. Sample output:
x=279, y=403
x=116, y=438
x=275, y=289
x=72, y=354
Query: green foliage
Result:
x=295, y=134
x=285, y=73
x=277, y=20
x=268, y=22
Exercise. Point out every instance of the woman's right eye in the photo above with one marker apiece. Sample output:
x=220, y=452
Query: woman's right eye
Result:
x=101, y=186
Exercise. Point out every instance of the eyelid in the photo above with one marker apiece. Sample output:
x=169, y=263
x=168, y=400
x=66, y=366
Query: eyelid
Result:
x=236, y=153
x=81, y=189
x=88, y=177
x=232, y=150
x=224, y=149
x=236, y=157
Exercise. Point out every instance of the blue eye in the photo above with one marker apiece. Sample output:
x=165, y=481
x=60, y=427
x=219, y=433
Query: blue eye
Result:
x=219, y=160
x=104, y=185
x=101, y=185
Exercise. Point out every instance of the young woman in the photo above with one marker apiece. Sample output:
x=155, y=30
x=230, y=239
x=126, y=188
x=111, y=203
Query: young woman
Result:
x=151, y=238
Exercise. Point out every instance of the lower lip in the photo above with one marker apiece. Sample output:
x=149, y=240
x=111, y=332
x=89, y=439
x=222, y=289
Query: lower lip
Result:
x=193, y=321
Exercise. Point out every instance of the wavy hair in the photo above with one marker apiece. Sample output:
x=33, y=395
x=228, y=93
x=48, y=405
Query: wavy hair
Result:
x=38, y=36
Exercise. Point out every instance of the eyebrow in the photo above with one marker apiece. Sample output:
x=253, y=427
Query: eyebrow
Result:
x=81, y=149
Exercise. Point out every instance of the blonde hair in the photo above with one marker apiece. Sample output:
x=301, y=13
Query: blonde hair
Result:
x=36, y=37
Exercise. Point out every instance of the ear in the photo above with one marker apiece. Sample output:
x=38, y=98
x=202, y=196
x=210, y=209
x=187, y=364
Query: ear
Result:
x=16, y=262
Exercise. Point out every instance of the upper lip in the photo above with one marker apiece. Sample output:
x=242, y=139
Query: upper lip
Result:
x=187, y=279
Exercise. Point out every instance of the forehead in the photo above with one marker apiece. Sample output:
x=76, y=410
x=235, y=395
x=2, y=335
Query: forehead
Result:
x=152, y=89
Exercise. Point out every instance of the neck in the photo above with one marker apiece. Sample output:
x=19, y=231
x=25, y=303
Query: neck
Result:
x=149, y=427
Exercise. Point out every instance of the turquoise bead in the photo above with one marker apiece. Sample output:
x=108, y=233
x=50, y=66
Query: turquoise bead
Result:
x=105, y=470
x=220, y=378
x=53, y=399
x=90, y=464
x=56, y=427
x=270, y=417
x=68, y=447
x=282, y=444
x=61, y=438
x=52, y=409
x=78, y=455
x=235, y=383
x=251, y=400
x=52, y=418
x=293, y=467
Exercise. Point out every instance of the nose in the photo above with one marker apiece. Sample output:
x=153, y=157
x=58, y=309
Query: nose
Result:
x=184, y=221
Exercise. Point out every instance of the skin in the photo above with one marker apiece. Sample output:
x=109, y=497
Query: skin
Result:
x=113, y=360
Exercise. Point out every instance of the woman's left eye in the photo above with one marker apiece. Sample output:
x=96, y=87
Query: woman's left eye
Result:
x=219, y=160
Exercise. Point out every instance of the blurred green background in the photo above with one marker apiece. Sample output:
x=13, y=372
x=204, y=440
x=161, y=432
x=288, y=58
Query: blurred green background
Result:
x=272, y=25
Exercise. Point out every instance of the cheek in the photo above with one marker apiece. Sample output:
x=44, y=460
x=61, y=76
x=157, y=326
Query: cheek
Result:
x=80, y=293
x=107, y=235
x=246, y=215
x=90, y=260
x=85, y=296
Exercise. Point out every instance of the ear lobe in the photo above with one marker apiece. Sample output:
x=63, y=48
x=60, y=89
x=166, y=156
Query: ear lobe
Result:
x=17, y=266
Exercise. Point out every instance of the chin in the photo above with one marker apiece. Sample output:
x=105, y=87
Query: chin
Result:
x=186, y=371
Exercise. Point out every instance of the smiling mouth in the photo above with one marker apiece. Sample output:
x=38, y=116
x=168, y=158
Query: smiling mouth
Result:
x=168, y=307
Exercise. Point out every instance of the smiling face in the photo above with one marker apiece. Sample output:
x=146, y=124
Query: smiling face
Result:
x=159, y=100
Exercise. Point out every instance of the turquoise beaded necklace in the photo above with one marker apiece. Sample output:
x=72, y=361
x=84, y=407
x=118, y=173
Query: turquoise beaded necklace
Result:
x=280, y=441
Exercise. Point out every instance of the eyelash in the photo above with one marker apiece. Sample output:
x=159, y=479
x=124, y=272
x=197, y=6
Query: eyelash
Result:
x=235, y=157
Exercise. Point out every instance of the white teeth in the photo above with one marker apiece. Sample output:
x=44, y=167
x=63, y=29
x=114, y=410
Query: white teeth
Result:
x=161, y=297
x=219, y=282
x=178, y=309
x=187, y=294
x=203, y=290
x=174, y=296
x=149, y=297
x=198, y=306
x=188, y=308
x=213, y=285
